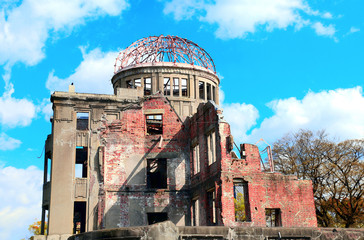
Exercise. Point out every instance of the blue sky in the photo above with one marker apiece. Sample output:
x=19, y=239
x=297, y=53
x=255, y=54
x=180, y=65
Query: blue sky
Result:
x=283, y=65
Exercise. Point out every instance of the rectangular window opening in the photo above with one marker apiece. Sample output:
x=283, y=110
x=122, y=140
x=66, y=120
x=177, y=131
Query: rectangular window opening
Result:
x=137, y=82
x=196, y=159
x=211, y=147
x=79, y=217
x=211, y=207
x=167, y=87
x=195, y=212
x=157, y=173
x=241, y=201
x=213, y=93
x=157, y=217
x=201, y=89
x=175, y=86
x=184, y=87
x=208, y=86
x=147, y=86
x=154, y=124
x=82, y=120
x=49, y=168
x=273, y=217
x=81, y=162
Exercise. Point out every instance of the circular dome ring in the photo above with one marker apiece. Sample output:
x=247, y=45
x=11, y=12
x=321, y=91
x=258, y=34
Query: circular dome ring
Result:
x=164, y=49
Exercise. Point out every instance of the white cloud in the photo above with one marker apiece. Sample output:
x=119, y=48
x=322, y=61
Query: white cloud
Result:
x=237, y=18
x=25, y=28
x=352, y=30
x=322, y=30
x=8, y=143
x=21, y=194
x=45, y=108
x=93, y=75
x=240, y=116
x=15, y=112
x=339, y=112
x=327, y=15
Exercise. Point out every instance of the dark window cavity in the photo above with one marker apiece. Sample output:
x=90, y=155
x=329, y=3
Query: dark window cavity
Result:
x=157, y=173
x=82, y=120
x=147, y=86
x=154, y=124
x=208, y=88
x=79, y=217
x=201, y=89
x=273, y=217
x=157, y=217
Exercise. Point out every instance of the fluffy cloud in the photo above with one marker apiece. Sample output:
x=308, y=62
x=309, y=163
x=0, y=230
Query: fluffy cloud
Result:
x=15, y=112
x=241, y=117
x=24, y=28
x=237, y=18
x=339, y=112
x=21, y=194
x=91, y=76
x=322, y=30
x=8, y=143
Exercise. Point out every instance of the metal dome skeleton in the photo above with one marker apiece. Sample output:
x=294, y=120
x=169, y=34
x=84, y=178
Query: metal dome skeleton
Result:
x=164, y=49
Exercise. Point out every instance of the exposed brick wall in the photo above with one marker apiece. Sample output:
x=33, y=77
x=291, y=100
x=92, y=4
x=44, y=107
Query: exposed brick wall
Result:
x=293, y=197
x=127, y=146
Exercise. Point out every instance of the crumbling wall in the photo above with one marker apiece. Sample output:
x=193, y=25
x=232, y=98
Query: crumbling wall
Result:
x=126, y=199
x=291, y=200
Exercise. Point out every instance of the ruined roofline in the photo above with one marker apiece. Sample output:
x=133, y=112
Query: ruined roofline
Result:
x=89, y=96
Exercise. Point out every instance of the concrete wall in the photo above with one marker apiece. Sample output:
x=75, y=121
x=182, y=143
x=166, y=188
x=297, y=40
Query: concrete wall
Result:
x=167, y=230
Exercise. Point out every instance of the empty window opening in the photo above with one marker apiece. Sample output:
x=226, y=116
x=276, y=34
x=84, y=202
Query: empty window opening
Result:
x=137, y=82
x=129, y=84
x=195, y=212
x=147, y=86
x=201, y=89
x=241, y=200
x=273, y=217
x=211, y=207
x=79, y=217
x=81, y=162
x=208, y=86
x=196, y=159
x=49, y=168
x=184, y=87
x=157, y=173
x=167, y=87
x=82, y=120
x=175, y=86
x=213, y=93
x=157, y=217
x=211, y=147
x=154, y=124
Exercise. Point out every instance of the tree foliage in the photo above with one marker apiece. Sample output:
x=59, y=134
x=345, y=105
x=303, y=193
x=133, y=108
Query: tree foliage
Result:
x=335, y=169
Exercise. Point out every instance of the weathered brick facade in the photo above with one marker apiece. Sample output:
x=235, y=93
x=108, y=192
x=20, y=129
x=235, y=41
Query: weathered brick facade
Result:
x=159, y=149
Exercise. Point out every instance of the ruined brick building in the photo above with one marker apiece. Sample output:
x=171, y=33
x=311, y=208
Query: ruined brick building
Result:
x=157, y=149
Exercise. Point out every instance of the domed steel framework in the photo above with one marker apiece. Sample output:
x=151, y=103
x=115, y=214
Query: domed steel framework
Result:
x=164, y=49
